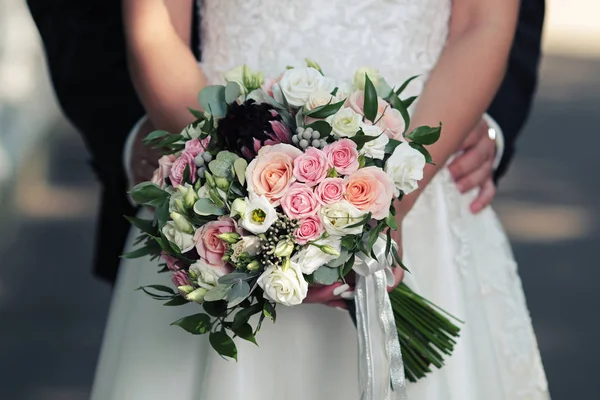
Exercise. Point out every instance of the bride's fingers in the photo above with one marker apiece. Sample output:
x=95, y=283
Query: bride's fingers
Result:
x=325, y=294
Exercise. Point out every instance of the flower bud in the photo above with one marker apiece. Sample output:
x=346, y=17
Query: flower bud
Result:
x=182, y=223
x=284, y=248
x=209, y=179
x=222, y=183
x=185, y=290
x=359, y=77
x=189, y=195
x=238, y=207
x=285, y=265
x=313, y=64
x=197, y=295
x=253, y=266
x=230, y=237
x=177, y=204
x=329, y=250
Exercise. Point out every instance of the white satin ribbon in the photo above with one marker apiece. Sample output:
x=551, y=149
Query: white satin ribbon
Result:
x=381, y=370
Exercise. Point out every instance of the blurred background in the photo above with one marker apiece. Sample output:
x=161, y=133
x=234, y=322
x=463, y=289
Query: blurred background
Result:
x=52, y=311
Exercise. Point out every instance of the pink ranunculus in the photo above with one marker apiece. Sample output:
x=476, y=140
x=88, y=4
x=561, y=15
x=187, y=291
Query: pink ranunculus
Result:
x=173, y=263
x=178, y=169
x=165, y=163
x=391, y=123
x=271, y=173
x=370, y=189
x=343, y=156
x=208, y=244
x=268, y=84
x=330, y=191
x=299, y=202
x=194, y=147
x=310, y=228
x=311, y=167
x=181, y=278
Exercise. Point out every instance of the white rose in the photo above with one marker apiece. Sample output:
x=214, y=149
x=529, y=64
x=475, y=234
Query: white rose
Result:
x=338, y=217
x=258, y=216
x=345, y=122
x=405, y=168
x=247, y=244
x=284, y=287
x=206, y=275
x=310, y=258
x=320, y=98
x=374, y=148
x=298, y=83
x=359, y=77
x=183, y=240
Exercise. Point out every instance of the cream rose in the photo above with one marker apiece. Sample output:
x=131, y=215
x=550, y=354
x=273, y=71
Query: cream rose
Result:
x=374, y=148
x=338, y=217
x=297, y=84
x=320, y=98
x=288, y=287
x=183, y=240
x=207, y=275
x=311, y=257
x=405, y=168
x=345, y=122
x=359, y=77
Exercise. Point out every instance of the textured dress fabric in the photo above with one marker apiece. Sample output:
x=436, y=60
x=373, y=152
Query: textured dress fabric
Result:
x=461, y=261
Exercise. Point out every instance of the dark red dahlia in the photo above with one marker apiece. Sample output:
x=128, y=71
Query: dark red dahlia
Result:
x=248, y=126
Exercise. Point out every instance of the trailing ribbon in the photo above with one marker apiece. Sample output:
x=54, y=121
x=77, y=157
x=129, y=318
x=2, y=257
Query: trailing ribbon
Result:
x=381, y=370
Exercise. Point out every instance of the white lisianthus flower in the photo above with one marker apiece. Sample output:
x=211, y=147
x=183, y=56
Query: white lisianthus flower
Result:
x=193, y=132
x=183, y=240
x=374, y=148
x=345, y=123
x=320, y=98
x=338, y=217
x=176, y=203
x=247, y=244
x=311, y=257
x=288, y=287
x=206, y=275
x=297, y=84
x=359, y=77
x=258, y=216
x=405, y=168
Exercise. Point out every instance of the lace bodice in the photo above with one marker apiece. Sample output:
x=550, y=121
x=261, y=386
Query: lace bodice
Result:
x=401, y=38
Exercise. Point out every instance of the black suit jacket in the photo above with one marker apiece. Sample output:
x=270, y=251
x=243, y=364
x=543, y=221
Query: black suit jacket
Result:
x=85, y=49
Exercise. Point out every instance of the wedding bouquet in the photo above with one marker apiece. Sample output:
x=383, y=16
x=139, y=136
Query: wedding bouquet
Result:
x=283, y=183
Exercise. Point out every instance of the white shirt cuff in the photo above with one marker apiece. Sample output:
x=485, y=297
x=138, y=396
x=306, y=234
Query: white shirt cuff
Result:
x=127, y=154
x=499, y=138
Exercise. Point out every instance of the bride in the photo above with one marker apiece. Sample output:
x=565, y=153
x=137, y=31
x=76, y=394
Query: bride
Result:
x=458, y=260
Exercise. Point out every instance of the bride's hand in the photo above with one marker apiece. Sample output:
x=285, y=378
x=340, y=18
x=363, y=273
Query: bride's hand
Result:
x=327, y=294
x=398, y=271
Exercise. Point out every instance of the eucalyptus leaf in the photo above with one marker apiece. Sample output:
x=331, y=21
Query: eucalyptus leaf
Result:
x=344, y=255
x=219, y=292
x=207, y=207
x=238, y=293
x=239, y=166
x=234, y=277
x=223, y=344
x=326, y=275
x=232, y=92
x=196, y=324
x=371, y=101
x=212, y=99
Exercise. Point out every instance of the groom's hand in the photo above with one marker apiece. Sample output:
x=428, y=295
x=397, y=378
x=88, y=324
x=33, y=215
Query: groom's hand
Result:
x=144, y=159
x=474, y=167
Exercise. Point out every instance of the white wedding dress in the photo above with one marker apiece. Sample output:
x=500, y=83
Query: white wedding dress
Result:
x=462, y=262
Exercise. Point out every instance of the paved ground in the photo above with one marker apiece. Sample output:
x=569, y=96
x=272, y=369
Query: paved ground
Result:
x=52, y=311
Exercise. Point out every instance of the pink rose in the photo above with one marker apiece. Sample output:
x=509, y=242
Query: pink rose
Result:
x=268, y=84
x=299, y=202
x=196, y=146
x=210, y=248
x=164, y=169
x=178, y=168
x=173, y=263
x=310, y=228
x=331, y=190
x=343, y=156
x=392, y=123
x=370, y=189
x=311, y=167
x=181, y=278
x=271, y=172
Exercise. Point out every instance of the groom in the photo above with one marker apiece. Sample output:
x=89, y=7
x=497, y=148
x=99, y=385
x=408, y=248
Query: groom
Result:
x=85, y=48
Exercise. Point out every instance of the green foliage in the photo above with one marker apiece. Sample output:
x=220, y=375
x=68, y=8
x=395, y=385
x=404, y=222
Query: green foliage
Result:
x=232, y=92
x=196, y=324
x=148, y=194
x=223, y=344
x=212, y=99
x=425, y=135
x=371, y=103
x=222, y=165
x=207, y=207
x=326, y=275
x=324, y=111
x=422, y=150
x=322, y=127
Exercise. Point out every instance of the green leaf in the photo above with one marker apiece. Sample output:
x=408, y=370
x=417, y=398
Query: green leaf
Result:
x=325, y=111
x=388, y=242
x=244, y=315
x=207, y=207
x=196, y=113
x=326, y=275
x=161, y=288
x=162, y=214
x=363, y=221
x=245, y=332
x=219, y=292
x=425, y=135
x=176, y=301
x=154, y=135
x=371, y=101
x=269, y=311
x=408, y=102
x=196, y=324
x=322, y=127
x=232, y=92
x=239, y=166
x=383, y=88
x=212, y=99
x=147, y=193
x=405, y=84
x=222, y=343
x=215, y=308
x=391, y=146
x=360, y=140
x=141, y=252
x=238, y=293
x=349, y=242
x=422, y=150
x=390, y=220
x=348, y=265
